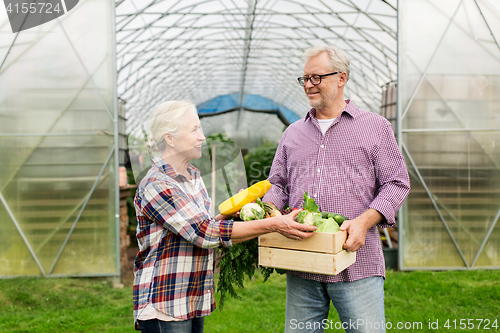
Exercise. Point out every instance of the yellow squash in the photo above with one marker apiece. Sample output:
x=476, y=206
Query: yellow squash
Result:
x=234, y=204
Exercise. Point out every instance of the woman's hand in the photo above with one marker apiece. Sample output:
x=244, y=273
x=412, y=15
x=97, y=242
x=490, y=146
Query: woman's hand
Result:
x=289, y=228
x=227, y=217
x=284, y=224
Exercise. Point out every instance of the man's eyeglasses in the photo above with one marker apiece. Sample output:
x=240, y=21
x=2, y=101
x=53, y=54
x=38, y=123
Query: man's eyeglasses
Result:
x=315, y=79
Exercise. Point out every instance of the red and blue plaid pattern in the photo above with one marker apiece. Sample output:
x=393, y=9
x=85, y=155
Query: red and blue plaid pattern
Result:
x=176, y=234
x=356, y=165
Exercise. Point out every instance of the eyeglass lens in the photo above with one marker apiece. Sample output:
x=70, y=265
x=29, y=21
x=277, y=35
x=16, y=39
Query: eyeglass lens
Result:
x=315, y=79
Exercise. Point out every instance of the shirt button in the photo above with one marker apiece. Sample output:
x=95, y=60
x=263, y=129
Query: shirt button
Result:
x=315, y=195
x=322, y=146
x=319, y=170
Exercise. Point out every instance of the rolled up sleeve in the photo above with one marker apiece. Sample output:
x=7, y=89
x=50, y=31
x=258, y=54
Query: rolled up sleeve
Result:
x=226, y=229
x=174, y=210
x=392, y=176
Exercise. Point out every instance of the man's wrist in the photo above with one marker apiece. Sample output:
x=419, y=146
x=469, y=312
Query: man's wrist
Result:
x=370, y=218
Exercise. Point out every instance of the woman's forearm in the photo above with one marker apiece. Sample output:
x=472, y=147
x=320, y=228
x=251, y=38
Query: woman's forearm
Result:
x=243, y=231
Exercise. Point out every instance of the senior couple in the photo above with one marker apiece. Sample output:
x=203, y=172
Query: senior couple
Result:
x=352, y=166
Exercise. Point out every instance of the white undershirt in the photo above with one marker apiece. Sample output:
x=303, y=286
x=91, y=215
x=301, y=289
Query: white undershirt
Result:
x=324, y=124
x=149, y=312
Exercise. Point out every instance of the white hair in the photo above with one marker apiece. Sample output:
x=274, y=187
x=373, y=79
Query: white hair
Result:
x=339, y=61
x=166, y=118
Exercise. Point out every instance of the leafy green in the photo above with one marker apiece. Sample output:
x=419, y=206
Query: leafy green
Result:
x=240, y=259
x=325, y=221
x=310, y=213
x=309, y=204
x=237, y=261
x=328, y=225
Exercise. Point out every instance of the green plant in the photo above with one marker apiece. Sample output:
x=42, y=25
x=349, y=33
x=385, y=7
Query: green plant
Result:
x=242, y=259
x=62, y=305
x=229, y=172
x=258, y=162
x=236, y=262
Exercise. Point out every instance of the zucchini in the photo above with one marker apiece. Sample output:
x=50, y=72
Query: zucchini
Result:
x=339, y=218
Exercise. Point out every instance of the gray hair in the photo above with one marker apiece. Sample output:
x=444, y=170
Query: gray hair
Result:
x=339, y=61
x=166, y=118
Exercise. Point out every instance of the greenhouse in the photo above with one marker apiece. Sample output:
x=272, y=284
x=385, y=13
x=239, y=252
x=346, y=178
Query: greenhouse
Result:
x=77, y=90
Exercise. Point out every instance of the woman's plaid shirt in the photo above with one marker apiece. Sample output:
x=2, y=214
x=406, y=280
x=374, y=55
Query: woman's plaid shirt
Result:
x=176, y=234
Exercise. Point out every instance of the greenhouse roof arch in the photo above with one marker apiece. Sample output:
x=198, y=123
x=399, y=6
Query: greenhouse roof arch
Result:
x=203, y=50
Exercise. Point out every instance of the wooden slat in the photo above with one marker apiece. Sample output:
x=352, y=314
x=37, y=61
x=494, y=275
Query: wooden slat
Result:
x=303, y=261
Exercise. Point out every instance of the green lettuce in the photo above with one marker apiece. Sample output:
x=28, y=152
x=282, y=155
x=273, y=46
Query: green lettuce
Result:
x=325, y=221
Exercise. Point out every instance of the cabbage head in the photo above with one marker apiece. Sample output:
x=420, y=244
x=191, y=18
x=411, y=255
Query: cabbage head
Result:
x=327, y=225
x=308, y=217
x=252, y=211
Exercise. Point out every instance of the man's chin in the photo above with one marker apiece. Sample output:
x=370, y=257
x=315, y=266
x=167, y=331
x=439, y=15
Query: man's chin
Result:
x=315, y=104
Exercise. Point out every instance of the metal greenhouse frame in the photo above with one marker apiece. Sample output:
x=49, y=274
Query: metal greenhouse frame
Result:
x=448, y=123
x=238, y=61
x=59, y=212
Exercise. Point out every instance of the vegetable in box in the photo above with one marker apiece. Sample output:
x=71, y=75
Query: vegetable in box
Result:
x=325, y=221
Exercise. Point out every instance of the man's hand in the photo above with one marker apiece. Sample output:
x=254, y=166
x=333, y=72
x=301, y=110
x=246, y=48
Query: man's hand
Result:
x=356, y=234
x=357, y=228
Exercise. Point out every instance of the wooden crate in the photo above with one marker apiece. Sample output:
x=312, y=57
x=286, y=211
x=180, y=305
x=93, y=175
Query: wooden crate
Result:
x=321, y=253
x=324, y=242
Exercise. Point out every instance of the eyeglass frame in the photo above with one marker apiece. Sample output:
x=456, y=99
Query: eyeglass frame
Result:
x=305, y=79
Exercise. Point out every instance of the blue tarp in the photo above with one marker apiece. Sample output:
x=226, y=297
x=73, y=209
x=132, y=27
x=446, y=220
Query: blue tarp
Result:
x=229, y=102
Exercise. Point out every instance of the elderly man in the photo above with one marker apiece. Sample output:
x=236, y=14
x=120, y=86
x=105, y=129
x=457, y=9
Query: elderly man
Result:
x=349, y=162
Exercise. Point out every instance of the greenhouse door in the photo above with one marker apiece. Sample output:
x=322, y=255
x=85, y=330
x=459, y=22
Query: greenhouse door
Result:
x=449, y=125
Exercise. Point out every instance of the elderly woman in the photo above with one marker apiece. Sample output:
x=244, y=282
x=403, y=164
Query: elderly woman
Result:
x=177, y=233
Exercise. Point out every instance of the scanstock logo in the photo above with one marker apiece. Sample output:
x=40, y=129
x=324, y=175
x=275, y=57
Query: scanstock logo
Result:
x=26, y=14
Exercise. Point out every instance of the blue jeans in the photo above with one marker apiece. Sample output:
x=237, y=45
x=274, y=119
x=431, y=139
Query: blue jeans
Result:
x=194, y=325
x=360, y=305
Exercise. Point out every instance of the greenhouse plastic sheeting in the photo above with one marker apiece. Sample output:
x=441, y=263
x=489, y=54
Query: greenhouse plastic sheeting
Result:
x=260, y=120
x=199, y=50
x=449, y=88
x=57, y=171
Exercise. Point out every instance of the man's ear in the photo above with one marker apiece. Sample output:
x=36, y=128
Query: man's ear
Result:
x=342, y=79
x=168, y=139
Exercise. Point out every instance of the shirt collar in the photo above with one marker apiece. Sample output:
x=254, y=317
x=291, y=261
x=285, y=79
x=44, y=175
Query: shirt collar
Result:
x=170, y=171
x=350, y=109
